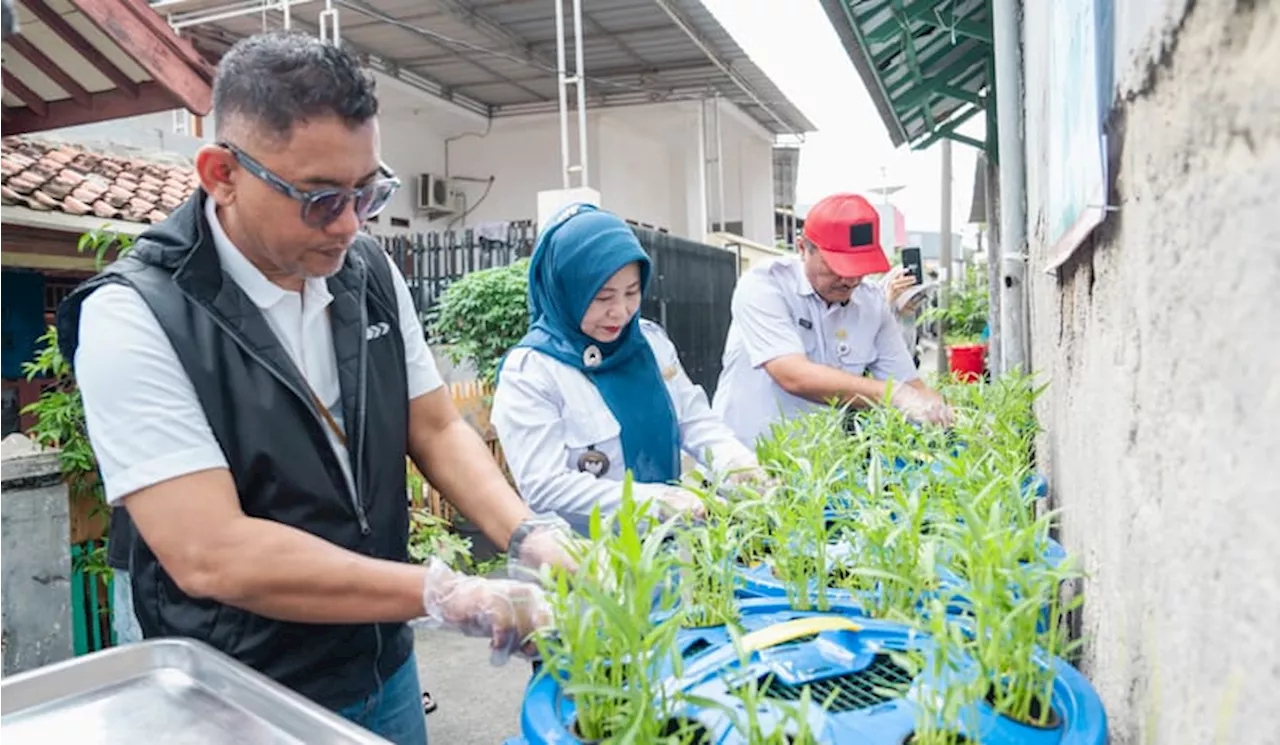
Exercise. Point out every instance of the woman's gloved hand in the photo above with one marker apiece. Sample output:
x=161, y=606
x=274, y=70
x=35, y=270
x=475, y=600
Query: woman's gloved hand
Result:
x=921, y=406
x=675, y=501
x=752, y=476
x=506, y=611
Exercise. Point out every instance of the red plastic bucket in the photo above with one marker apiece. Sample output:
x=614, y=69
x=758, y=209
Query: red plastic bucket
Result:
x=967, y=361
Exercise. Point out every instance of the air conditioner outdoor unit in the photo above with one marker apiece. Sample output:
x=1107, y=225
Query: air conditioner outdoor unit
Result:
x=433, y=195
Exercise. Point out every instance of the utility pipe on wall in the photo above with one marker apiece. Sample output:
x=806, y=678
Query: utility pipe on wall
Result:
x=991, y=182
x=720, y=167
x=1013, y=187
x=945, y=252
x=578, y=80
x=564, y=95
x=580, y=77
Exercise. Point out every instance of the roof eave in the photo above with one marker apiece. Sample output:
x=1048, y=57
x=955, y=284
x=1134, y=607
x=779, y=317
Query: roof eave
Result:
x=837, y=12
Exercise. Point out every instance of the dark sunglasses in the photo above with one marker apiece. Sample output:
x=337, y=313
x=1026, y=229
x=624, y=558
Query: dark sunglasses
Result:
x=322, y=206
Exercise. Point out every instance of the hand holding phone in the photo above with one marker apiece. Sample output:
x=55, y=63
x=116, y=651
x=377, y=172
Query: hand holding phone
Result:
x=896, y=282
x=913, y=263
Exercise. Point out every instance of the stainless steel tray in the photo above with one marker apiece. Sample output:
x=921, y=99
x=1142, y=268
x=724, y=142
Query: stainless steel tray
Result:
x=176, y=691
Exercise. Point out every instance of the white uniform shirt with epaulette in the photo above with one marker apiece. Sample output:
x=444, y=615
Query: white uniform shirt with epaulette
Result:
x=776, y=312
x=563, y=445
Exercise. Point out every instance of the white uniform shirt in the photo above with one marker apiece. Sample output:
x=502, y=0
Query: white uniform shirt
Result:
x=547, y=414
x=776, y=312
x=143, y=418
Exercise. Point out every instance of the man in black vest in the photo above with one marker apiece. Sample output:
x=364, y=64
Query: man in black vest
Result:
x=254, y=375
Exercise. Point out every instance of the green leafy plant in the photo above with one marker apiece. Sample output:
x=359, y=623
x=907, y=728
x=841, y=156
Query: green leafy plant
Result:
x=944, y=698
x=791, y=728
x=59, y=410
x=484, y=314
x=1018, y=617
x=965, y=314
x=101, y=241
x=924, y=526
x=430, y=537
x=707, y=560
x=616, y=621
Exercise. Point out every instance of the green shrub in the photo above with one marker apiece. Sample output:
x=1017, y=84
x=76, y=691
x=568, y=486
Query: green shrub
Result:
x=484, y=314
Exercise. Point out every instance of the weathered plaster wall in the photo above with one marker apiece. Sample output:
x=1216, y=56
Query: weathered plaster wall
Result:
x=1163, y=413
x=35, y=614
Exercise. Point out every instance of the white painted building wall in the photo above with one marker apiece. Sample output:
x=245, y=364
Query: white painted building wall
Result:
x=647, y=162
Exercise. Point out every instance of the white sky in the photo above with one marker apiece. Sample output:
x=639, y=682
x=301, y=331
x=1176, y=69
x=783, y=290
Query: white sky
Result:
x=794, y=43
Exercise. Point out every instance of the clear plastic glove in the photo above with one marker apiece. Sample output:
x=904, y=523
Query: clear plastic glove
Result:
x=921, y=406
x=675, y=501
x=548, y=542
x=753, y=476
x=506, y=611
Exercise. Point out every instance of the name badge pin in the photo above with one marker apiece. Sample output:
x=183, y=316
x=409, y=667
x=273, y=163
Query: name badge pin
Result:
x=593, y=462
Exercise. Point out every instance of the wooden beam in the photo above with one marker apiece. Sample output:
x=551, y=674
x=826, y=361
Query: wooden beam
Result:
x=154, y=52
x=112, y=104
x=14, y=259
x=58, y=25
x=182, y=46
x=35, y=104
x=50, y=68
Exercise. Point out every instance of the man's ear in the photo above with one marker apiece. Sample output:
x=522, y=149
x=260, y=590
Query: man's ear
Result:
x=218, y=171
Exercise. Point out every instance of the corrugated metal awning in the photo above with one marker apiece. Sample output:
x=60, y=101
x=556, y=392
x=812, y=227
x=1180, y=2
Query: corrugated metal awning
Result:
x=927, y=64
x=498, y=57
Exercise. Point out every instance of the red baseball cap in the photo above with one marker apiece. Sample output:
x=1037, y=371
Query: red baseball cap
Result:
x=846, y=229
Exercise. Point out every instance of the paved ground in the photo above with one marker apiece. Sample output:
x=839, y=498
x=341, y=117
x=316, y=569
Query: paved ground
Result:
x=478, y=704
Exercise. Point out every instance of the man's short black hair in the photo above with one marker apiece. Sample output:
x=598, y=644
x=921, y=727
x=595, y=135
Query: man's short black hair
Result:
x=276, y=80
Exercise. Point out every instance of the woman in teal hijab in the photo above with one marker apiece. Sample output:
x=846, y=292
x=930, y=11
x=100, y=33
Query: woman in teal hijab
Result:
x=593, y=391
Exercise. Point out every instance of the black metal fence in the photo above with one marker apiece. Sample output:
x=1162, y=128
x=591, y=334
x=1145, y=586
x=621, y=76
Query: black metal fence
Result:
x=431, y=261
x=690, y=295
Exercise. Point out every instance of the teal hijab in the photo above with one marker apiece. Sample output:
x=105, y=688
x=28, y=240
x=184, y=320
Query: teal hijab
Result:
x=576, y=254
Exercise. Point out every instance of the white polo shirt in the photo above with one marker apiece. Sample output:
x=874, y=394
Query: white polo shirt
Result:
x=776, y=312
x=146, y=424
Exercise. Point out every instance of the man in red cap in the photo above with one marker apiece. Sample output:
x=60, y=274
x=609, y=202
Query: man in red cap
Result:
x=806, y=330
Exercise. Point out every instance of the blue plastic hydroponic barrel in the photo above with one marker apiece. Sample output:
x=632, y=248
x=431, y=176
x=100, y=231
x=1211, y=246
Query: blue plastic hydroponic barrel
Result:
x=547, y=715
x=839, y=657
x=1035, y=485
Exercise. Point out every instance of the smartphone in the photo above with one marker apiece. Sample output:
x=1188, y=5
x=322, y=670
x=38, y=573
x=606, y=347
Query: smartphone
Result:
x=912, y=262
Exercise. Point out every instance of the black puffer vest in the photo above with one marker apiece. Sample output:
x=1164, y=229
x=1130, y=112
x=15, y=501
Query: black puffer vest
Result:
x=274, y=438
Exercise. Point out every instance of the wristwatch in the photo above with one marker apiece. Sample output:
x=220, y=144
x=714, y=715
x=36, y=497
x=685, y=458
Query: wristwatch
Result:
x=529, y=525
x=522, y=531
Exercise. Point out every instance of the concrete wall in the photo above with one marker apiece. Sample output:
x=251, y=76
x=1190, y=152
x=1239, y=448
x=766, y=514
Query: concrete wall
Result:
x=638, y=175
x=34, y=532
x=1164, y=376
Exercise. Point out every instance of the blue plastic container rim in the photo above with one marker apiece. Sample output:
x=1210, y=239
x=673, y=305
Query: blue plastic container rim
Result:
x=546, y=716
